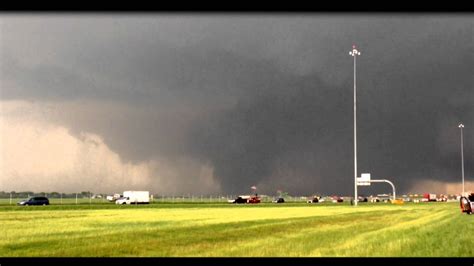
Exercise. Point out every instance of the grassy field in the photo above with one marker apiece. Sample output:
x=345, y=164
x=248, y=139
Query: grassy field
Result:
x=219, y=229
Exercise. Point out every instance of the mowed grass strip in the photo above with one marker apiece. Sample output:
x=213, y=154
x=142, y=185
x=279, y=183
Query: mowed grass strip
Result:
x=437, y=229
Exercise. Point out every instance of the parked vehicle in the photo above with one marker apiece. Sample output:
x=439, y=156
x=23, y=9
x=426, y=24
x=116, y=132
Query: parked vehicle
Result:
x=238, y=200
x=406, y=199
x=442, y=198
x=467, y=203
x=315, y=199
x=246, y=199
x=279, y=200
x=384, y=197
x=398, y=201
x=134, y=197
x=114, y=197
x=374, y=199
x=337, y=199
x=254, y=199
x=362, y=199
x=34, y=201
x=429, y=197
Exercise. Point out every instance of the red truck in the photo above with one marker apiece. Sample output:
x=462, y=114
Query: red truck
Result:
x=429, y=197
x=254, y=199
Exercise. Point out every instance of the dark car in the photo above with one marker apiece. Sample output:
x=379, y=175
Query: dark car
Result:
x=34, y=201
x=240, y=200
x=279, y=200
x=314, y=199
x=362, y=199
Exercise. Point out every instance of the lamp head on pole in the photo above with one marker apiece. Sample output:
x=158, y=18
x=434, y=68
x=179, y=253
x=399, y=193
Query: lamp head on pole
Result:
x=461, y=126
x=354, y=51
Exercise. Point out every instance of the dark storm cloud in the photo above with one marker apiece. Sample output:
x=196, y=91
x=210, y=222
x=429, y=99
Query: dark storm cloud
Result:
x=301, y=123
x=263, y=99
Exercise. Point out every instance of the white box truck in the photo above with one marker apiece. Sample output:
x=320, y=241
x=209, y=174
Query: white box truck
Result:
x=134, y=197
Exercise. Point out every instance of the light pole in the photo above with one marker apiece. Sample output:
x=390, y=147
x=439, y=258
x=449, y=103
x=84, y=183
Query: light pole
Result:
x=354, y=53
x=461, y=126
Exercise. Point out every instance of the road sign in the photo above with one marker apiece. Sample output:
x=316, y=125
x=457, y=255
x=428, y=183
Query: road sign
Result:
x=364, y=180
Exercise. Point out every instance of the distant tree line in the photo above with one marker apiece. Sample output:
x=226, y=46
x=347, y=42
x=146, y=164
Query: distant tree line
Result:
x=26, y=194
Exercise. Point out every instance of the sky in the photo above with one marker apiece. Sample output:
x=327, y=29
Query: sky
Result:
x=216, y=103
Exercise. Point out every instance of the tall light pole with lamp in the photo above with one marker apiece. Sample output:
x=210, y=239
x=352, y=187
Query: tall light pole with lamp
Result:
x=461, y=126
x=354, y=53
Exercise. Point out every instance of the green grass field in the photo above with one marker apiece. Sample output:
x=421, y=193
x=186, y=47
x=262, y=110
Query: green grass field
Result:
x=219, y=229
